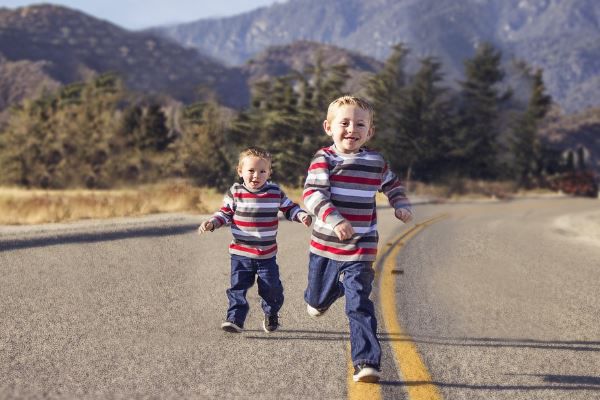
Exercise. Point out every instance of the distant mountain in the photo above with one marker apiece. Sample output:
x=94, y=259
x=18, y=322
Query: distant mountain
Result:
x=561, y=36
x=282, y=60
x=47, y=46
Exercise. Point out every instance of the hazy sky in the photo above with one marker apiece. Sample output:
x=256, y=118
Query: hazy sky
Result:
x=137, y=14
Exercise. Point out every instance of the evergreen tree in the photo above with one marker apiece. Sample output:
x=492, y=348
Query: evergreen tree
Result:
x=286, y=116
x=154, y=131
x=387, y=92
x=475, y=143
x=530, y=156
x=426, y=122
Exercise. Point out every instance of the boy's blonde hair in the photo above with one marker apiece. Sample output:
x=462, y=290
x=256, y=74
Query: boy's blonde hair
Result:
x=255, y=152
x=349, y=101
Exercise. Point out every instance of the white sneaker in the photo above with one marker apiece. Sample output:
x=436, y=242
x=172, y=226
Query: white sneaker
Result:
x=365, y=373
x=315, y=312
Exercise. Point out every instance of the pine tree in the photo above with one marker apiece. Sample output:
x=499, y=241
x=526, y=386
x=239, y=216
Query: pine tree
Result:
x=387, y=92
x=531, y=158
x=426, y=123
x=475, y=145
x=154, y=131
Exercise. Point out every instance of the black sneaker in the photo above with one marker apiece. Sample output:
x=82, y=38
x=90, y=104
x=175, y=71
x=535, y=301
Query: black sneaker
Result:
x=231, y=326
x=270, y=323
x=368, y=373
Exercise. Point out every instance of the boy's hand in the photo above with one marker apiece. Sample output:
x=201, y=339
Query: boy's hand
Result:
x=305, y=219
x=344, y=230
x=205, y=226
x=404, y=215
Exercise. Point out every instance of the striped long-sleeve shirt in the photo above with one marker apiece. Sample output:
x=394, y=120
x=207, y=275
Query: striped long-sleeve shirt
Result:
x=342, y=187
x=253, y=218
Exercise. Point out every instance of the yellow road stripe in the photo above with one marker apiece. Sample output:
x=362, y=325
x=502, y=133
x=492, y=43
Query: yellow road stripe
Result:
x=414, y=372
x=365, y=391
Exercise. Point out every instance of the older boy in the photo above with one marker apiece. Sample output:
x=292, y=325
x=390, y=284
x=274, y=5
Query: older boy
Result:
x=340, y=191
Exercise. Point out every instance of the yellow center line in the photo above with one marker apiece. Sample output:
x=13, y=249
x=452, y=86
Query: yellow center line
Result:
x=405, y=352
x=414, y=373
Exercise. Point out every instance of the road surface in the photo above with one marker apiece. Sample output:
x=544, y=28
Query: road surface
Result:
x=499, y=300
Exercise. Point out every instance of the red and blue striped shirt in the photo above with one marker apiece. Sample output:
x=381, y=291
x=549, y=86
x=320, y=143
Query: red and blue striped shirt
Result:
x=253, y=217
x=342, y=187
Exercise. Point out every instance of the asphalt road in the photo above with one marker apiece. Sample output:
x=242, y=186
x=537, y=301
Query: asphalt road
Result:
x=500, y=303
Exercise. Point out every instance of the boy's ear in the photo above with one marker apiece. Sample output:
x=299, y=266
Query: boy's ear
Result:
x=371, y=132
x=239, y=171
x=327, y=127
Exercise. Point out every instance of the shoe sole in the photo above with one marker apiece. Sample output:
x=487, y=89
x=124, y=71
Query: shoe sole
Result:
x=267, y=329
x=367, y=376
x=231, y=328
x=313, y=312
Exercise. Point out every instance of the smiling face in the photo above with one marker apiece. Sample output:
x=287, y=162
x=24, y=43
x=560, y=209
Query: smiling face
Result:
x=254, y=171
x=350, y=128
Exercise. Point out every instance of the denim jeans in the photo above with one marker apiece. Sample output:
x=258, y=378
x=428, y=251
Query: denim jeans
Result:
x=243, y=271
x=324, y=288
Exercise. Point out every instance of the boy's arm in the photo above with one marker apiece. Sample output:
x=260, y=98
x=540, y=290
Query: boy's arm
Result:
x=395, y=191
x=316, y=195
x=222, y=217
x=292, y=211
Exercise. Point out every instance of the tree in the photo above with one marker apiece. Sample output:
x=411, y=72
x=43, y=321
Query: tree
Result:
x=530, y=156
x=201, y=152
x=475, y=145
x=286, y=115
x=426, y=123
x=154, y=131
x=387, y=92
x=63, y=139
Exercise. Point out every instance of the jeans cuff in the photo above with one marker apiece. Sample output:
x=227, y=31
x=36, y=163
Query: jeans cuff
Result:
x=364, y=361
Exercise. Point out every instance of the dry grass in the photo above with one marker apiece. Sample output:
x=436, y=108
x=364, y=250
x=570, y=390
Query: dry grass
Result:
x=25, y=207
x=21, y=206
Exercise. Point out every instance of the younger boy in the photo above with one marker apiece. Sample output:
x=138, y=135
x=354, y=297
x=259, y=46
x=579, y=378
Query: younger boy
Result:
x=251, y=209
x=340, y=191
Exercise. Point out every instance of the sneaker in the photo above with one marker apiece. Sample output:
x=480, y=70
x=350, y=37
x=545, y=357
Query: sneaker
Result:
x=230, y=326
x=270, y=323
x=315, y=312
x=366, y=373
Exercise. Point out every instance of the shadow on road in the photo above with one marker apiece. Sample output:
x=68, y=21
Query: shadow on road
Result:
x=91, y=237
x=539, y=381
x=584, y=385
x=292, y=334
x=573, y=345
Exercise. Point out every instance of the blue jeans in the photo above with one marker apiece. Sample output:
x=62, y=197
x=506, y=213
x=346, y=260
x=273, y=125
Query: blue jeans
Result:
x=324, y=288
x=243, y=271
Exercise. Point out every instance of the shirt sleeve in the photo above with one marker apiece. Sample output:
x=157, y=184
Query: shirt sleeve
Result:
x=289, y=208
x=394, y=190
x=317, y=191
x=225, y=214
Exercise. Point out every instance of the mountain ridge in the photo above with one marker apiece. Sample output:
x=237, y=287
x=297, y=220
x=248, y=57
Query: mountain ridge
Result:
x=555, y=35
x=68, y=46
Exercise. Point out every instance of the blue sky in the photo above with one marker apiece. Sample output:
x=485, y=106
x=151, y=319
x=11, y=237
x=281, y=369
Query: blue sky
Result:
x=137, y=14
